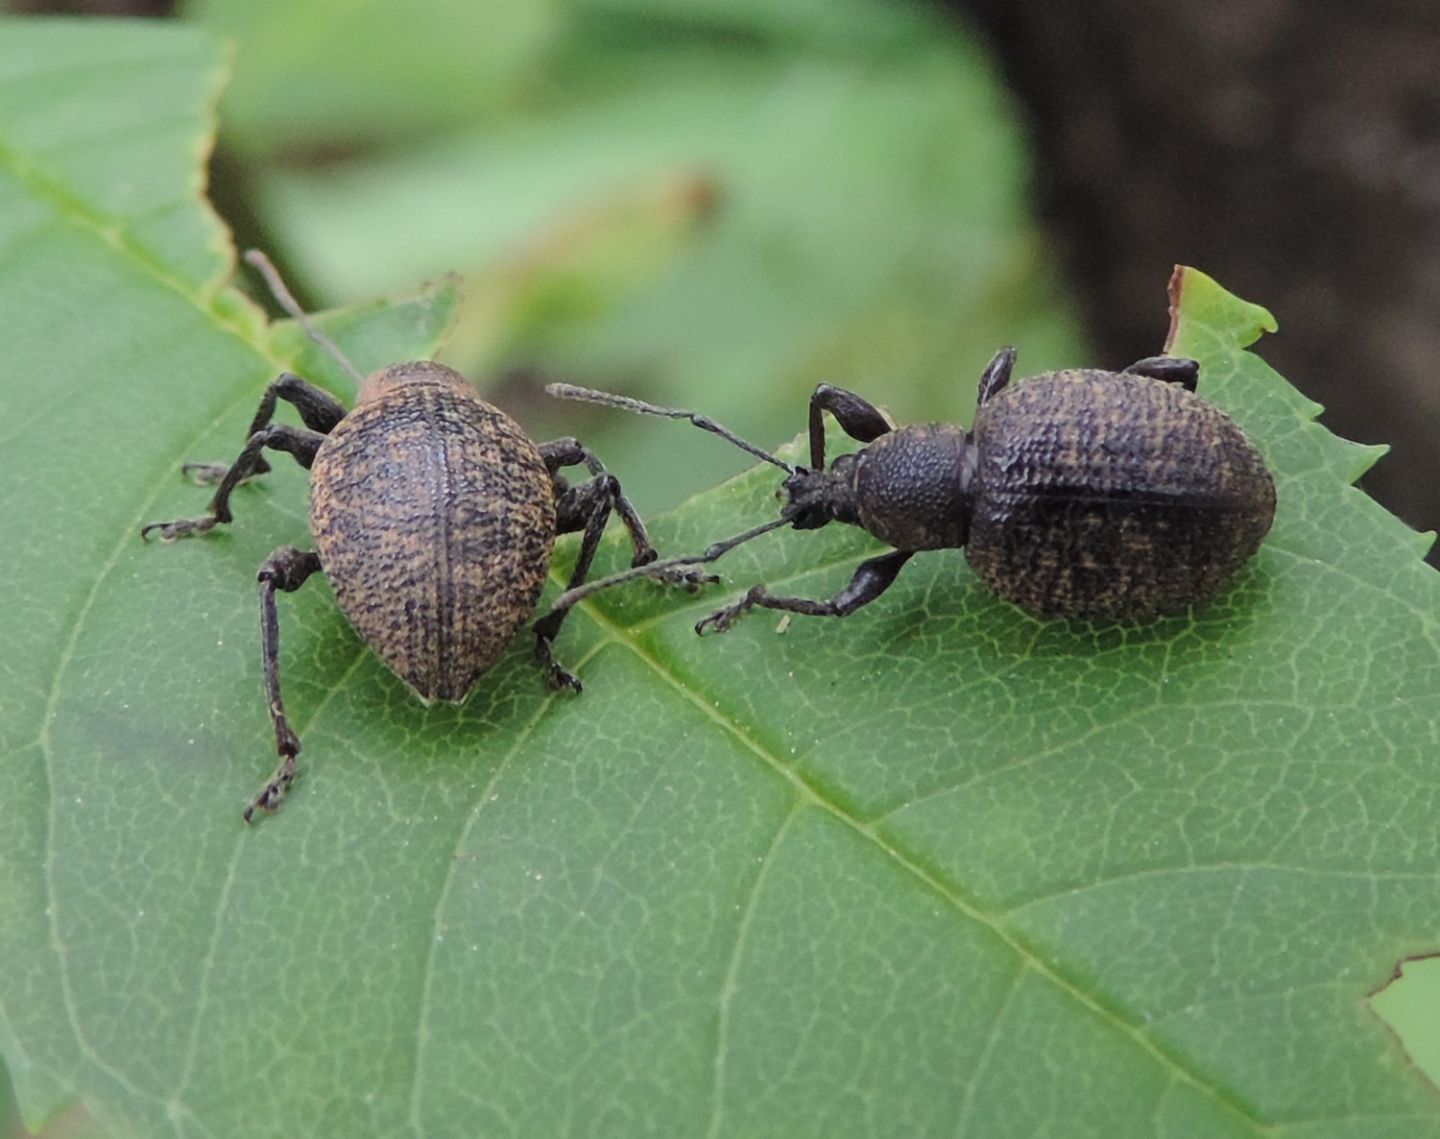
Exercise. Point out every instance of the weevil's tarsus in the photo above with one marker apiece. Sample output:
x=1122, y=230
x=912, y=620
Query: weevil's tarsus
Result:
x=871, y=578
x=300, y=442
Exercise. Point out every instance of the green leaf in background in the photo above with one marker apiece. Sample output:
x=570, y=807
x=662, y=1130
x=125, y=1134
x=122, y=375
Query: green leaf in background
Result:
x=357, y=72
x=1407, y=1004
x=938, y=869
x=855, y=186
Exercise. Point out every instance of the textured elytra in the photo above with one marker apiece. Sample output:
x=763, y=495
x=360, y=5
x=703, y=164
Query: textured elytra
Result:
x=1110, y=495
x=434, y=518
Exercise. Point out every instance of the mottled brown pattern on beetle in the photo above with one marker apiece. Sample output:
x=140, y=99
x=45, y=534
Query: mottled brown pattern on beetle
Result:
x=1105, y=495
x=434, y=518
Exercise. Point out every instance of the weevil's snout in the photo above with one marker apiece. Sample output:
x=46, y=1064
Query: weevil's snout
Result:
x=815, y=498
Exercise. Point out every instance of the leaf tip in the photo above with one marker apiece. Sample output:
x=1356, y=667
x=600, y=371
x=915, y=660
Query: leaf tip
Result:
x=1198, y=299
x=1363, y=456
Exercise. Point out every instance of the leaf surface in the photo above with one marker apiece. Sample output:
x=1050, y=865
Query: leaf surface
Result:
x=938, y=869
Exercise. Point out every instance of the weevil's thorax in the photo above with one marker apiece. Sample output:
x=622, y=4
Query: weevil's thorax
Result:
x=911, y=487
x=415, y=373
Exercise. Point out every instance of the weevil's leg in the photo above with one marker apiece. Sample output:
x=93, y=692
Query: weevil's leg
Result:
x=573, y=508
x=676, y=570
x=857, y=418
x=1171, y=369
x=319, y=411
x=573, y=513
x=278, y=437
x=871, y=579
x=996, y=375
x=587, y=505
x=287, y=568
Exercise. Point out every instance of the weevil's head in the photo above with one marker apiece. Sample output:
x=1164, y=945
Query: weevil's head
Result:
x=813, y=499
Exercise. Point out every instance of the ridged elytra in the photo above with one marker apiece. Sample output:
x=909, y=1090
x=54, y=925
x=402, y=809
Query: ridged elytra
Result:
x=433, y=515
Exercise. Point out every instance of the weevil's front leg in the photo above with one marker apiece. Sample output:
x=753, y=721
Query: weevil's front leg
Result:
x=278, y=437
x=587, y=508
x=871, y=579
x=319, y=411
x=574, y=506
x=857, y=417
x=286, y=569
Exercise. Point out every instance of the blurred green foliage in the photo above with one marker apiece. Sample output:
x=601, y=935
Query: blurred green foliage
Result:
x=716, y=203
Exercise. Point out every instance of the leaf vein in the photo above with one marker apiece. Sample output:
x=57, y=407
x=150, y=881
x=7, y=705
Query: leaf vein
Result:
x=910, y=865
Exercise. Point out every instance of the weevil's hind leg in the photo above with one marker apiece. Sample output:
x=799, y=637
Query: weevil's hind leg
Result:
x=871, y=579
x=1170, y=369
x=278, y=437
x=996, y=375
x=857, y=417
x=286, y=569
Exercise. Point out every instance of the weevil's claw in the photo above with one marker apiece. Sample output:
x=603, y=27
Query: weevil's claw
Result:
x=180, y=528
x=273, y=792
x=644, y=557
x=722, y=620
x=557, y=678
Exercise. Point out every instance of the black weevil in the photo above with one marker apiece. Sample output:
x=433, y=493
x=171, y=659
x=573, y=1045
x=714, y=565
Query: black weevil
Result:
x=433, y=515
x=1079, y=493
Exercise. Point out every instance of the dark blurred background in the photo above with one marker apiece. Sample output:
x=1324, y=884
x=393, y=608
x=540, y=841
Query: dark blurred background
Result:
x=719, y=202
x=1290, y=148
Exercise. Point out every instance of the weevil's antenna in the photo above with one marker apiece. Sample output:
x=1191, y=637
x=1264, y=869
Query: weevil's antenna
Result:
x=640, y=407
x=287, y=301
x=713, y=552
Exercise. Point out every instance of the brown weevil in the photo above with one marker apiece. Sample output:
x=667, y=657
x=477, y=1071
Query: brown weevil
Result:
x=433, y=516
x=1079, y=493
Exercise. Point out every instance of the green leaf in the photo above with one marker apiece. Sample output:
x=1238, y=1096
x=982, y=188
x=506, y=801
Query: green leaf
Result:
x=938, y=869
x=1408, y=1004
x=851, y=214
x=356, y=72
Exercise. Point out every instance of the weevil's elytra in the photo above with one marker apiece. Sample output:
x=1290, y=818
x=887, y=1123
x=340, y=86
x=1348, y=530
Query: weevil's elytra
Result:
x=1082, y=493
x=434, y=516
x=1112, y=496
